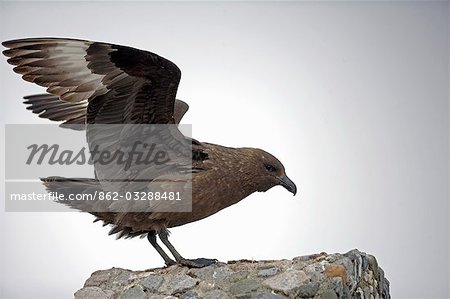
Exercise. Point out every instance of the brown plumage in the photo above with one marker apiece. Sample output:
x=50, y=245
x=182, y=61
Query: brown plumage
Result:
x=99, y=83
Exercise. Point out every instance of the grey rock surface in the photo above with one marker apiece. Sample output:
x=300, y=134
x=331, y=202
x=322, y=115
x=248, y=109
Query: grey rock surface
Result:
x=354, y=274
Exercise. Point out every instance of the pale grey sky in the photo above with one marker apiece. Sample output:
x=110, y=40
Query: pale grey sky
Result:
x=352, y=97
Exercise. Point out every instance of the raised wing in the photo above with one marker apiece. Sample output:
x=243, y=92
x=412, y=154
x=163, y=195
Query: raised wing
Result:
x=101, y=83
x=118, y=84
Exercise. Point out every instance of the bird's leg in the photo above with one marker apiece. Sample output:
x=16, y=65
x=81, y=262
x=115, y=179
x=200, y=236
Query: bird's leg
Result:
x=195, y=263
x=151, y=236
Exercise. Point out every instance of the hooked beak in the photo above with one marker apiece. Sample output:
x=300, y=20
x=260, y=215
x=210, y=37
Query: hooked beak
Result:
x=288, y=184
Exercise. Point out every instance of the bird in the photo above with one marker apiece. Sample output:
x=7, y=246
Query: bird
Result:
x=98, y=83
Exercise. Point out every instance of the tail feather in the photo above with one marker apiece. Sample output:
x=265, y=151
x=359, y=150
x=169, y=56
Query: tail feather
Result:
x=98, y=208
x=72, y=188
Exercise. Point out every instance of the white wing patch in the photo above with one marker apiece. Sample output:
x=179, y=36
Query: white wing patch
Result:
x=59, y=65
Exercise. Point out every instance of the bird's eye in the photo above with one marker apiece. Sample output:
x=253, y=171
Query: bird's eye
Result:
x=270, y=167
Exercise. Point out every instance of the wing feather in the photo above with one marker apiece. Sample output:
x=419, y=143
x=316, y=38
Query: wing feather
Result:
x=86, y=71
x=114, y=84
x=51, y=107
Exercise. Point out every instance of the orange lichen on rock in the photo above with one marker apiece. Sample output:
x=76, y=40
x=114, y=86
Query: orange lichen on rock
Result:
x=336, y=271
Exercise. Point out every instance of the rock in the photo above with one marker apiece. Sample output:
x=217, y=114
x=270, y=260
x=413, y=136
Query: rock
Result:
x=152, y=282
x=328, y=294
x=244, y=287
x=92, y=293
x=336, y=271
x=268, y=272
x=288, y=282
x=180, y=283
x=216, y=294
x=114, y=275
x=189, y=295
x=308, y=290
x=266, y=294
x=320, y=276
x=135, y=292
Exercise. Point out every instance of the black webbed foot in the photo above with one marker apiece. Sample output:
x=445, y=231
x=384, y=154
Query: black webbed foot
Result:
x=197, y=263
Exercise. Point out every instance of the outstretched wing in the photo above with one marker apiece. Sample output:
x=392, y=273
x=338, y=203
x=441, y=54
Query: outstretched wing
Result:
x=118, y=84
x=112, y=84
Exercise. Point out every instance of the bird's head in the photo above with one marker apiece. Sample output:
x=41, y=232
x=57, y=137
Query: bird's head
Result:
x=270, y=172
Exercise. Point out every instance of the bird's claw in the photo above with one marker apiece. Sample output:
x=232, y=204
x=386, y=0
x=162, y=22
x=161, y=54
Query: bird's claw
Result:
x=197, y=263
